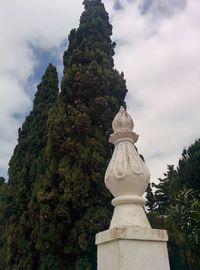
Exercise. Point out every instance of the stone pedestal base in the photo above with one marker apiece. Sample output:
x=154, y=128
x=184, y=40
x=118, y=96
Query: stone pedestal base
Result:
x=132, y=248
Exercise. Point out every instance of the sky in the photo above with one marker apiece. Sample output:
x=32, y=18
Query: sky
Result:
x=158, y=45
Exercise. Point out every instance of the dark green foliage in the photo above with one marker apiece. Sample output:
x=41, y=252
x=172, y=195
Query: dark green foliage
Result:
x=25, y=169
x=2, y=181
x=185, y=213
x=73, y=202
x=163, y=194
x=55, y=200
x=151, y=203
x=177, y=209
x=2, y=223
x=189, y=166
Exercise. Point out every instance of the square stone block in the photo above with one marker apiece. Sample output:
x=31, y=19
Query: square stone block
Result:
x=132, y=248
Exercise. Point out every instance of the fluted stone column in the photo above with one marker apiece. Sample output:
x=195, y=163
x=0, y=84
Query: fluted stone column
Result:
x=130, y=243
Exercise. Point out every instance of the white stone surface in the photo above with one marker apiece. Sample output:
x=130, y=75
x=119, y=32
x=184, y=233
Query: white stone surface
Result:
x=127, y=177
x=131, y=233
x=126, y=173
x=132, y=248
x=129, y=214
x=130, y=243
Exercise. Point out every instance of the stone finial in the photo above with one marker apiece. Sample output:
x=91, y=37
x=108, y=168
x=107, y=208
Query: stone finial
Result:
x=126, y=177
x=130, y=243
x=123, y=127
x=122, y=122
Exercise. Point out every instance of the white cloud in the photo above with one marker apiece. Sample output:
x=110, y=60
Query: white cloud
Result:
x=161, y=61
x=26, y=24
x=158, y=52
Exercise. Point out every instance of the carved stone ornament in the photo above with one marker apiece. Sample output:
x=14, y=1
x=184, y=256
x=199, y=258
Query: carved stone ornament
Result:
x=127, y=177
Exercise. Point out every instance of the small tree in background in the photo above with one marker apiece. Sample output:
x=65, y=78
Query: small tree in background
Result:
x=150, y=197
x=177, y=209
x=165, y=190
x=189, y=167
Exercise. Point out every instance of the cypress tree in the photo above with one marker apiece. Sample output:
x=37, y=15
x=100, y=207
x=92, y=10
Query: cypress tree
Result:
x=72, y=199
x=165, y=190
x=2, y=181
x=25, y=168
x=189, y=166
x=151, y=203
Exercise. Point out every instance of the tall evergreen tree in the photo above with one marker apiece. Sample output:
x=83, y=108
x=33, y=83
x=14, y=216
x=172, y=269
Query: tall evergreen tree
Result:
x=73, y=201
x=25, y=168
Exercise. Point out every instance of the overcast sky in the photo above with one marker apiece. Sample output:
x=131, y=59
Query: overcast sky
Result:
x=158, y=49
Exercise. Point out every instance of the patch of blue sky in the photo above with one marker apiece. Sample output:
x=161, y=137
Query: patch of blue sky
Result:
x=18, y=116
x=159, y=9
x=117, y=5
x=145, y=6
x=43, y=57
x=163, y=8
x=3, y=173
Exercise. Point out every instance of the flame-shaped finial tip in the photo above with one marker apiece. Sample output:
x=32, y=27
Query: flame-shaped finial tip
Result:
x=122, y=121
